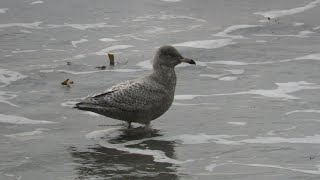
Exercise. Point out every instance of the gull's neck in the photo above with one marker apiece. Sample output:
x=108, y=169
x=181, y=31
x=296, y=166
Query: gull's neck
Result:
x=164, y=75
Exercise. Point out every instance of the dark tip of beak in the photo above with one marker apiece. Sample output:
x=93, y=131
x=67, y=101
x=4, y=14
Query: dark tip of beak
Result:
x=192, y=62
x=187, y=60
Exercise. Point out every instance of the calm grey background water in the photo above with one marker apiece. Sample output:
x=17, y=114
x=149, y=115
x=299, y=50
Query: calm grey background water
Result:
x=248, y=110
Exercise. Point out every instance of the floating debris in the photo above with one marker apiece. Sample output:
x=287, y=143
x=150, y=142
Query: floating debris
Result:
x=111, y=58
x=101, y=67
x=67, y=82
x=312, y=157
x=269, y=18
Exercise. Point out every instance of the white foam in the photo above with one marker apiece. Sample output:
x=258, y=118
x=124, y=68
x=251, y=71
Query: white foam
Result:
x=305, y=33
x=36, y=2
x=145, y=64
x=189, y=104
x=315, y=139
x=235, y=71
x=133, y=37
x=12, y=119
x=316, y=28
x=261, y=41
x=81, y=26
x=187, y=96
x=170, y=0
x=210, y=167
x=188, y=28
x=100, y=137
x=56, y=50
x=239, y=63
x=298, y=24
x=228, y=78
x=226, y=139
x=7, y=76
x=233, y=63
x=284, y=168
x=166, y=17
x=34, y=25
x=25, y=31
x=237, y=123
x=215, y=76
x=225, y=32
x=282, y=92
x=23, y=51
x=112, y=48
x=70, y=103
x=303, y=111
x=91, y=113
x=204, y=139
x=207, y=44
x=9, y=175
x=26, y=135
x=271, y=133
x=301, y=34
x=4, y=96
x=274, y=132
x=154, y=30
x=3, y=10
x=315, y=56
x=279, y=13
x=74, y=43
x=47, y=70
x=221, y=77
x=107, y=40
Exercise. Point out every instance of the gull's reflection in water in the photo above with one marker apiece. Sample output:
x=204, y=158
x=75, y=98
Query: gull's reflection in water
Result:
x=120, y=154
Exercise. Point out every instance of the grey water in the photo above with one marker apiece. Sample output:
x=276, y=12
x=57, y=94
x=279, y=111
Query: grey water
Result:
x=249, y=109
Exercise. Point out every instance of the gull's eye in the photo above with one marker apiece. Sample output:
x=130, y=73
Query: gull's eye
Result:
x=171, y=54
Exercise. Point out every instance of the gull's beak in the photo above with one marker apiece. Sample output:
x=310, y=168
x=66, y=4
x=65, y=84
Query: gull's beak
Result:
x=189, y=61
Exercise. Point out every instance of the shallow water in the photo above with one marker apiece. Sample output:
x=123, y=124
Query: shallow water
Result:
x=248, y=110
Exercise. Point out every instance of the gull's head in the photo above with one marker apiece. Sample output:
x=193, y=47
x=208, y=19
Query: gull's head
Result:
x=170, y=57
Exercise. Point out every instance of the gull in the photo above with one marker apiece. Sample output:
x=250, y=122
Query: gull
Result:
x=141, y=100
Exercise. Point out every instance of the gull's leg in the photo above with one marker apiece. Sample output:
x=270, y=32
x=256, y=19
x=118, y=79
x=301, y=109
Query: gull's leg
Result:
x=129, y=125
x=148, y=126
x=148, y=130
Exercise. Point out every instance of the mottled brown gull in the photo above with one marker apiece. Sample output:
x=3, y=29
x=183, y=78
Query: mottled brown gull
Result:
x=141, y=100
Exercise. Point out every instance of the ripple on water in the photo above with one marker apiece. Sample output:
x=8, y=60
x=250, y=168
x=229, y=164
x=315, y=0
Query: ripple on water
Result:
x=103, y=137
x=282, y=92
x=36, y=2
x=7, y=76
x=207, y=44
x=13, y=119
x=5, y=96
x=286, y=12
x=3, y=10
x=225, y=32
x=27, y=135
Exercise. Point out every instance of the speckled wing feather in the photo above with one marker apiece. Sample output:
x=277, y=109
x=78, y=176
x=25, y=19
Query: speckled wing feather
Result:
x=130, y=96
